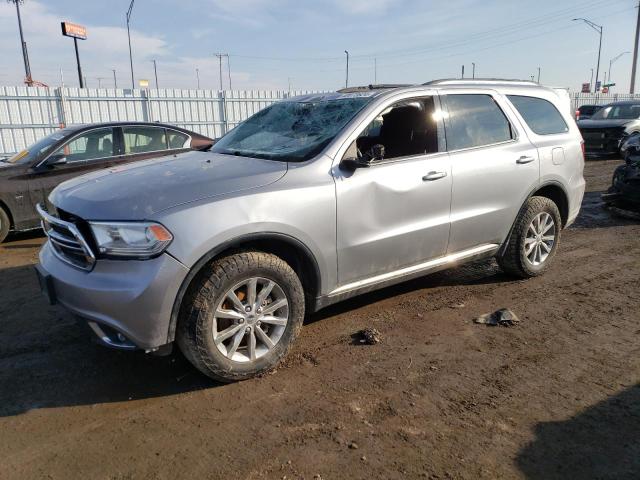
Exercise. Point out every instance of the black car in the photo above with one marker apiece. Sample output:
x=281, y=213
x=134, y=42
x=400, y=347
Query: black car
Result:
x=585, y=112
x=28, y=177
x=625, y=185
x=604, y=133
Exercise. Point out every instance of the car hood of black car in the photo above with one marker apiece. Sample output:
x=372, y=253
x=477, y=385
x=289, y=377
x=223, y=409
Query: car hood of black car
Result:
x=588, y=124
x=136, y=191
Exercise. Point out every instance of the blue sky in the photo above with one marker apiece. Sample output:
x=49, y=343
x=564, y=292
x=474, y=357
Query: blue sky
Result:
x=272, y=42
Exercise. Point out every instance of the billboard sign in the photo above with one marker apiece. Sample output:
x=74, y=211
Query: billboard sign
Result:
x=586, y=87
x=74, y=30
x=143, y=83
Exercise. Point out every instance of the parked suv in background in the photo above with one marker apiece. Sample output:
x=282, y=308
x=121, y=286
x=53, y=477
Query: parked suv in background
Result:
x=28, y=177
x=311, y=201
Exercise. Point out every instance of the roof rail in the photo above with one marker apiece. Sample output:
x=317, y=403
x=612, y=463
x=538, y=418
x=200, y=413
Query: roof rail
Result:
x=465, y=81
x=381, y=86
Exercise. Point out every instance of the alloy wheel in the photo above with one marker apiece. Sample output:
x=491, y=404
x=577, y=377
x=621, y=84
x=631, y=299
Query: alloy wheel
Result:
x=540, y=238
x=250, y=319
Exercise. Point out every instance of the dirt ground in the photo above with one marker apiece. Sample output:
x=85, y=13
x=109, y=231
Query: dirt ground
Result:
x=556, y=397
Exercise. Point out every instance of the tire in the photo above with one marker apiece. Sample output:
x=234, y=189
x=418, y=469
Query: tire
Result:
x=5, y=224
x=209, y=311
x=519, y=257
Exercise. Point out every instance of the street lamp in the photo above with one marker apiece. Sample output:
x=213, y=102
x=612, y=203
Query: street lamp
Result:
x=597, y=28
x=614, y=60
x=25, y=56
x=133, y=82
x=473, y=71
x=346, y=83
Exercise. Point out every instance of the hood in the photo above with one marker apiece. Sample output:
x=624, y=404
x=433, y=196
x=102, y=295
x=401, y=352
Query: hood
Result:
x=138, y=190
x=587, y=124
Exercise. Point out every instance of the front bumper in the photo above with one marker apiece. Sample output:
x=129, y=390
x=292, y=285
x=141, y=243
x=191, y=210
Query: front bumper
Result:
x=133, y=298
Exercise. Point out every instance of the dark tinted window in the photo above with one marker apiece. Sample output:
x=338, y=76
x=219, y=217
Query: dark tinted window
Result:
x=475, y=120
x=406, y=128
x=541, y=116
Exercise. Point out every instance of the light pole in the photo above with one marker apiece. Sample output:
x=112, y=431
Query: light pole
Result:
x=115, y=79
x=597, y=28
x=473, y=70
x=133, y=82
x=346, y=83
x=219, y=56
x=198, y=77
x=25, y=55
x=229, y=70
x=591, y=81
x=155, y=72
x=614, y=60
x=539, y=74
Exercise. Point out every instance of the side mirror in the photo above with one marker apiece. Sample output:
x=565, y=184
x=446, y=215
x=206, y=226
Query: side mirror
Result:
x=58, y=159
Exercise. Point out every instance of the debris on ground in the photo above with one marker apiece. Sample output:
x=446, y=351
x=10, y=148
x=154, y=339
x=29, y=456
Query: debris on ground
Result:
x=457, y=305
x=503, y=317
x=370, y=336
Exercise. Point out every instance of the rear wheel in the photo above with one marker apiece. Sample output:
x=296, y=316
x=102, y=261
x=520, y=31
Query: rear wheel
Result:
x=243, y=313
x=4, y=225
x=534, y=239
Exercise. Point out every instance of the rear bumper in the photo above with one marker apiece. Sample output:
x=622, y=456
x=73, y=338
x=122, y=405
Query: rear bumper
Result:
x=132, y=298
x=576, y=195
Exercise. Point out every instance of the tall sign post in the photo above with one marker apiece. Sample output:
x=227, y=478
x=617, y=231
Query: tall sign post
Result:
x=76, y=32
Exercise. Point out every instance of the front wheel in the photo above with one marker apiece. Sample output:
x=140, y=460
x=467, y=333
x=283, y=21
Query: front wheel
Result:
x=242, y=314
x=4, y=225
x=534, y=240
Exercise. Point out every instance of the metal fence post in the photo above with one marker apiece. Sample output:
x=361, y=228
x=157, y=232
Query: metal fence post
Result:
x=62, y=114
x=225, y=121
x=146, y=112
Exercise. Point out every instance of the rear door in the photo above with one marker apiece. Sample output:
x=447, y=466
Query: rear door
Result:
x=87, y=151
x=494, y=167
x=142, y=142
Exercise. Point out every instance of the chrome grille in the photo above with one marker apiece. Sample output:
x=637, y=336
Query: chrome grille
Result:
x=66, y=241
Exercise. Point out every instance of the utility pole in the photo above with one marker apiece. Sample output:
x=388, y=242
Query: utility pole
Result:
x=538, y=74
x=632, y=87
x=155, y=72
x=100, y=81
x=597, y=28
x=346, y=83
x=229, y=70
x=198, y=77
x=473, y=70
x=375, y=71
x=115, y=80
x=220, y=55
x=591, y=81
x=133, y=82
x=25, y=56
x=462, y=71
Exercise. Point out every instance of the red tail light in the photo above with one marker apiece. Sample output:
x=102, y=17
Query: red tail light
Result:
x=577, y=114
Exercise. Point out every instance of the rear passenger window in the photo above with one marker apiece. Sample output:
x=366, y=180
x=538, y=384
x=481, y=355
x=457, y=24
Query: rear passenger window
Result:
x=474, y=121
x=541, y=115
x=144, y=139
x=176, y=139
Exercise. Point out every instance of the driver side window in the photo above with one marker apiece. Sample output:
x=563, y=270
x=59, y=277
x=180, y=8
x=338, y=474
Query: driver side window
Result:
x=92, y=145
x=404, y=129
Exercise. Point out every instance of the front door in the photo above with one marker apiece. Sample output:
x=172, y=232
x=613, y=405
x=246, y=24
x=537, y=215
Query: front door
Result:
x=395, y=213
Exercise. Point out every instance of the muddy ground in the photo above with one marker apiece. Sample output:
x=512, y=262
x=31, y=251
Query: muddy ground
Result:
x=556, y=397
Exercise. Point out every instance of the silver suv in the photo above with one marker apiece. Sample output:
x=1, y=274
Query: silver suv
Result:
x=311, y=201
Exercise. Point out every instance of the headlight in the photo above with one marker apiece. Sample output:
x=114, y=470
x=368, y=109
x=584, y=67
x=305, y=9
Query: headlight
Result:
x=130, y=240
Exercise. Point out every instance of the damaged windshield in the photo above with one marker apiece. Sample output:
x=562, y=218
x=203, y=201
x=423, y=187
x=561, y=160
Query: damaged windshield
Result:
x=291, y=131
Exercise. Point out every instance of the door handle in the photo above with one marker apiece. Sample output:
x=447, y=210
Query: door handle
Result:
x=433, y=176
x=525, y=159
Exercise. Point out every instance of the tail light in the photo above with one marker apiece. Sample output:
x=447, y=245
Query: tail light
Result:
x=577, y=115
